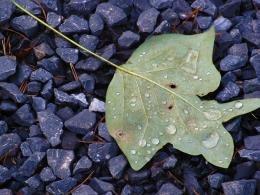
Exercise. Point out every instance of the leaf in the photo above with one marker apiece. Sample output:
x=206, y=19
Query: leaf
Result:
x=154, y=99
x=158, y=103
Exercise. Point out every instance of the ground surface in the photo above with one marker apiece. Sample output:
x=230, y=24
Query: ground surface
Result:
x=53, y=137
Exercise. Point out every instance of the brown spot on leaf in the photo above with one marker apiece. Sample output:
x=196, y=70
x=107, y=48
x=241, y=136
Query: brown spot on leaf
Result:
x=172, y=86
x=170, y=107
x=120, y=134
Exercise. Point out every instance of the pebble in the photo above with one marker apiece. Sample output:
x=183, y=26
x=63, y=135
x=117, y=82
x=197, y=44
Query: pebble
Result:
x=117, y=165
x=5, y=174
x=84, y=164
x=97, y=105
x=206, y=6
x=41, y=75
x=69, y=55
x=61, y=187
x=102, y=152
x=25, y=24
x=24, y=116
x=60, y=162
x=112, y=15
x=53, y=19
x=84, y=189
x=12, y=91
x=74, y=24
x=169, y=188
x=252, y=142
x=96, y=24
x=7, y=66
x=147, y=20
x=128, y=39
x=239, y=187
x=47, y=175
x=222, y=24
x=101, y=186
x=6, y=10
x=51, y=126
x=230, y=91
x=82, y=122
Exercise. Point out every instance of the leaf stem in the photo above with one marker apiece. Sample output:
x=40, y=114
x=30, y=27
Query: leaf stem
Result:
x=123, y=69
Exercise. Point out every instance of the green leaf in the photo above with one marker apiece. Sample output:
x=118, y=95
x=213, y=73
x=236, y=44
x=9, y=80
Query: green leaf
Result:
x=159, y=104
x=154, y=99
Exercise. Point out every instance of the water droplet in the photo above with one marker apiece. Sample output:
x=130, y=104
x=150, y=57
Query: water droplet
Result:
x=205, y=126
x=132, y=104
x=142, y=142
x=171, y=129
x=161, y=133
x=136, y=162
x=200, y=79
x=148, y=145
x=166, y=120
x=133, y=100
x=147, y=95
x=155, y=141
x=117, y=93
x=170, y=58
x=139, y=127
x=201, y=106
x=147, y=158
x=109, y=102
x=186, y=111
x=196, y=128
x=133, y=151
x=114, y=117
x=213, y=115
x=226, y=158
x=196, y=77
x=113, y=108
x=220, y=161
x=179, y=139
x=164, y=102
x=155, y=65
x=238, y=105
x=230, y=110
x=208, y=73
x=165, y=76
x=148, y=152
x=211, y=141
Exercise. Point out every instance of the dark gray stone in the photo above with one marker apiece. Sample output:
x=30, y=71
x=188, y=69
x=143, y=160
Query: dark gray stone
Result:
x=83, y=190
x=47, y=90
x=117, y=165
x=232, y=62
x=204, y=22
x=34, y=144
x=102, y=152
x=24, y=116
x=205, y=6
x=38, y=104
x=23, y=72
x=69, y=55
x=30, y=5
x=34, y=182
x=169, y=189
x=171, y=16
x=251, y=85
x=81, y=123
x=250, y=154
x=74, y=24
x=25, y=24
x=240, y=187
x=3, y=127
x=60, y=161
x=6, y=10
x=61, y=187
x=128, y=39
x=84, y=164
x=51, y=126
x=96, y=24
x=53, y=19
x=42, y=50
x=252, y=142
x=41, y=75
x=6, y=191
x=170, y=162
x=63, y=98
x=111, y=14
x=47, y=175
x=215, y=180
x=222, y=24
x=13, y=92
x=147, y=20
x=103, y=132
x=7, y=66
x=5, y=174
x=101, y=186
x=89, y=41
x=161, y=4
x=80, y=7
x=230, y=91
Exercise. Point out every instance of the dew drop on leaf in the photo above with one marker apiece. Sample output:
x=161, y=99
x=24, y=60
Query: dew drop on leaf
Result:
x=142, y=142
x=238, y=105
x=171, y=129
x=133, y=151
x=211, y=141
x=155, y=141
x=212, y=115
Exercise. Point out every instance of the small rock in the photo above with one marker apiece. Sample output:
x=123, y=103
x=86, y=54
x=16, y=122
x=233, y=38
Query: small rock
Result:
x=164, y=27
x=128, y=39
x=47, y=90
x=60, y=161
x=6, y=10
x=3, y=127
x=205, y=6
x=245, y=170
x=147, y=20
x=62, y=98
x=90, y=64
x=34, y=144
x=222, y=24
x=230, y=91
x=88, y=41
x=255, y=62
x=161, y=4
x=81, y=123
x=236, y=35
x=82, y=7
x=42, y=51
x=228, y=77
x=97, y=106
x=112, y=14
x=23, y=72
x=51, y=126
x=250, y=154
x=30, y=164
x=103, y=132
x=81, y=98
x=230, y=9
x=7, y=67
x=138, y=177
x=101, y=186
x=240, y=187
x=13, y=92
x=8, y=106
x=191, y=182
x=215, y=180
x=232, y=62
x=127, y=190
x=96, y=24
x=117, y=165
x=9, y=142
x=25, y=24
x=53, y=19
x=182, y=8
x=69, y=55
x=84, y=164
x=70, y=141
x=102, y=152
x=65, y=113
x=204, y=22
x=24, y=116
x=84, y=189
x=5, y=174
x=61, y=187
x=41, y=75
x=169, y=189
x=6, y=191
x=73, y=85
x=34, y=182
x=169, y=162
x=251, y=85
x=47, y=175
x=38, y=104
x=35, y=131
x=34, y=88
x=74, y=24
x=171, y=16
x=252, y=37
x=87, y=82
x=252, y=142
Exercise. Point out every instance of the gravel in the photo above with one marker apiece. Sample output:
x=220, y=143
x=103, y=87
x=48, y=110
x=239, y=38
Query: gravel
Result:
x=52, y=129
